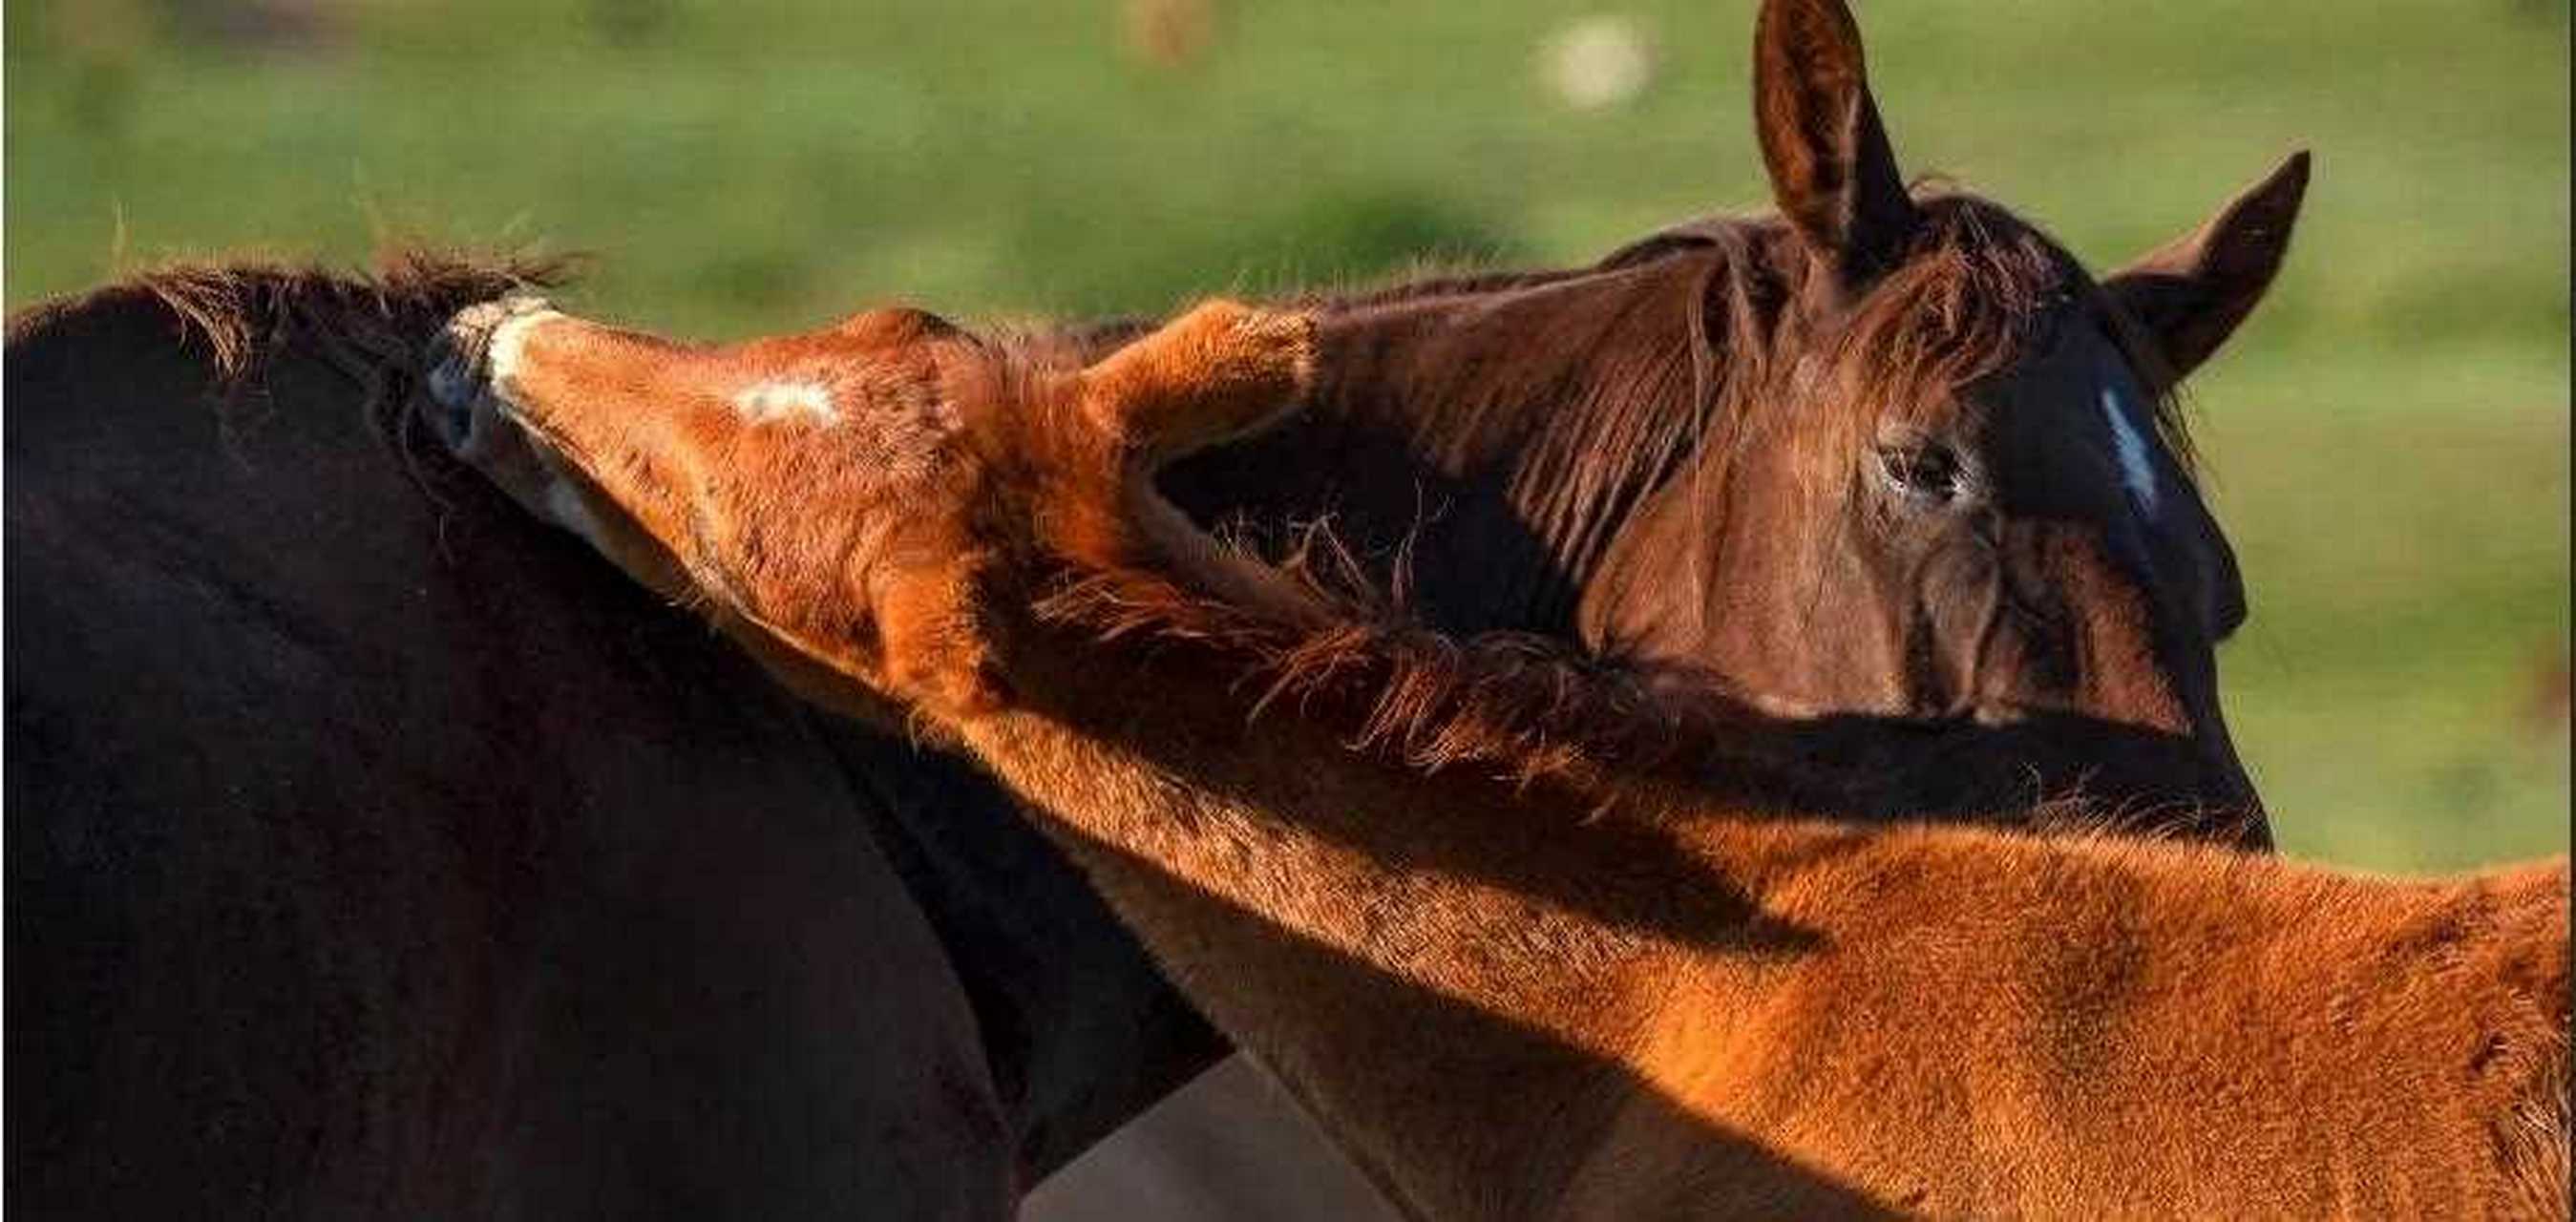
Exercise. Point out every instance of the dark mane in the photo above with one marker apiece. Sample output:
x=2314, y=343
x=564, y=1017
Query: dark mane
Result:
x=1575, y=391
x=242, y=312
x=370, y=326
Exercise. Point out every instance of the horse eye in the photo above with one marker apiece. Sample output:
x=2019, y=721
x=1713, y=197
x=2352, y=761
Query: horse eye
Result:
x=1928, y=471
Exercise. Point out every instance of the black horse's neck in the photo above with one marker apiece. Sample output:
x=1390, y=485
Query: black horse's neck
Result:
x=1081, y=1030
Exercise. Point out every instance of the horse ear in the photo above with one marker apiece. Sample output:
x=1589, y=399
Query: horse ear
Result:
x=1219, y=371
x=2192, y=292
x=1831, y=168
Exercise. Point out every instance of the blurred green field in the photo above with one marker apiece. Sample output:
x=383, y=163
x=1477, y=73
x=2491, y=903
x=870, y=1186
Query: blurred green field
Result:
x=2389, y=440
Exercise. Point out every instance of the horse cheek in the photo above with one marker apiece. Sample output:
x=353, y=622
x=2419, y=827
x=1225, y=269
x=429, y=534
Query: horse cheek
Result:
x=938, y=645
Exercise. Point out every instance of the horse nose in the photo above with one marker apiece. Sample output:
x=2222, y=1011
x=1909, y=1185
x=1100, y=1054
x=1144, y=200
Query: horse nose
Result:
x=460, y=367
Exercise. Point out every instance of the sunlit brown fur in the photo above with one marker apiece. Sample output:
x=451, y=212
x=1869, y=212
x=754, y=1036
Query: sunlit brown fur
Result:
x=1517, y=986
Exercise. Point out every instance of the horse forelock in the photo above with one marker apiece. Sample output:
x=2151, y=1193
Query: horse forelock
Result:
x=1980, y=292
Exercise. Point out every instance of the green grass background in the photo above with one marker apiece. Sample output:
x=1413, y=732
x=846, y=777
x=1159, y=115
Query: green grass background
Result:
x=2389, y=438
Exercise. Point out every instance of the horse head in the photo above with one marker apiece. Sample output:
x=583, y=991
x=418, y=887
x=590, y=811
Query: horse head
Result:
x=1890, y=460
x=1942, y=476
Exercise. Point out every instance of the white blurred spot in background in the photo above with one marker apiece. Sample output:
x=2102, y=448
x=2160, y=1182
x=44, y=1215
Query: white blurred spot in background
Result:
x=1597, y=62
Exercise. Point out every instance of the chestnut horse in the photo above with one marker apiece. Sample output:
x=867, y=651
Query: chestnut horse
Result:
x=1504, y=918
x=225, y=925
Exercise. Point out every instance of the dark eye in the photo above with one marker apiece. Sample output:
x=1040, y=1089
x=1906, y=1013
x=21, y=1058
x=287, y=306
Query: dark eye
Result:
x=1927, y=471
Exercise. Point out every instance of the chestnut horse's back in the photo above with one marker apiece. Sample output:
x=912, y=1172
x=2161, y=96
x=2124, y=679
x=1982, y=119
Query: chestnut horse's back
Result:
x=2535, y=1139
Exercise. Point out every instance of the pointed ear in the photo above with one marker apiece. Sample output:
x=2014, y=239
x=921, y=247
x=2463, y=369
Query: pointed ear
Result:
x=1831, y=168
x=2192, y=292
x=1217, y=372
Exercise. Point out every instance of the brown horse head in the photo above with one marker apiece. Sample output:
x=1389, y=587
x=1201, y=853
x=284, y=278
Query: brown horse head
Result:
x=1887, y=456
x=851, y=478
x=1943, y=475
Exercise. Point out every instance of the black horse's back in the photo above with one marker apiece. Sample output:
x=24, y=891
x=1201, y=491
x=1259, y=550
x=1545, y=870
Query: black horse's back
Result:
x=373, y=851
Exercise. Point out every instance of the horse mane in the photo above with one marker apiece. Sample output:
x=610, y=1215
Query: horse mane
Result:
x=244, y=313
x=372, y=328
